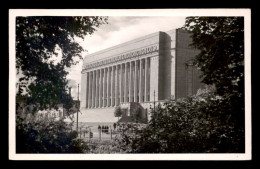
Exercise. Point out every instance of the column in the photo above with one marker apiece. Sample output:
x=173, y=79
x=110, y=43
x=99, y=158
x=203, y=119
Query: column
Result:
x=148, y=79
x=116, y=86
x=103, y=82
x=154, y=77
x=86, y=90
x=93, y=89
x=125, y=86
x=89, y=90
x=121, y=83
x=100, y=88
x=145, y=78
x=135, y=82
x=141, y=82
x=108, y=94
x=130, y=81
x=96, y=97
x=112, y=86
x=83, y=90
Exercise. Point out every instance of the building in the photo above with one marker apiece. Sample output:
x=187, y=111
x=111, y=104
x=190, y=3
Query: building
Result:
x=147, y=69
x=30, y=110
x=26, y=111
x=52, y=113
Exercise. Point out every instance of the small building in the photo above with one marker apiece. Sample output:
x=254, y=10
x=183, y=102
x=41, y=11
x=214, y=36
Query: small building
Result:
x=51, y=113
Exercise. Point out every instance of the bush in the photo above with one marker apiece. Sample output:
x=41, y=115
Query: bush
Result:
x=46, y=136
x=103, y=147
x=118, y=112
x=198, y=124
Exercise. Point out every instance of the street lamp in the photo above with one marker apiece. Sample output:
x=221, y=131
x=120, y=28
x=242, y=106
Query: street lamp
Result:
x=78, y=110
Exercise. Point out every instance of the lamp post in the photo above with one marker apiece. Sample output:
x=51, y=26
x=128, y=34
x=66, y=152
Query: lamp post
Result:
x=78, y=110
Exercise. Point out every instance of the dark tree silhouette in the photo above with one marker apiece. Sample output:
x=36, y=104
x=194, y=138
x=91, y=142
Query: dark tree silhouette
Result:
x=118, y=112
x=37, y=41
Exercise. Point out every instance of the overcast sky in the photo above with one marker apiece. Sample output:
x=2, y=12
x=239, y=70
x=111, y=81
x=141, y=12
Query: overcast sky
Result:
x=119, y=30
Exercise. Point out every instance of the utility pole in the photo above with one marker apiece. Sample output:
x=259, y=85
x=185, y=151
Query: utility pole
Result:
x=78, y=110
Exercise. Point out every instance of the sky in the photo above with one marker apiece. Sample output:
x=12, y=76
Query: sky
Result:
x=120, y=29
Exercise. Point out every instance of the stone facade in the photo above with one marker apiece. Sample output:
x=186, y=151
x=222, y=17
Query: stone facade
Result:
x=144, y=70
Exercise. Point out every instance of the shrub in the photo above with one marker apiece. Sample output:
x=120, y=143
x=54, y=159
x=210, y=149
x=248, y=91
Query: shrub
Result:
x=118, y=112
x=46, y=136
x=103, y=147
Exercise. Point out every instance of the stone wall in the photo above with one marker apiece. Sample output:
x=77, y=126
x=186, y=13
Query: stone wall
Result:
x=167, y=64
x=97, y=115
x=83, y=90
x=187, y=78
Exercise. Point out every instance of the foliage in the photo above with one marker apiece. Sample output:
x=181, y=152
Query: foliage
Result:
x=46, y=136
x=103, y=147
x=45, y=49
x=118, y=112
x=38, y=40
x=196, y=124
x=137, y=116
x=129, y=137
x=221, y=44
x=221, y=58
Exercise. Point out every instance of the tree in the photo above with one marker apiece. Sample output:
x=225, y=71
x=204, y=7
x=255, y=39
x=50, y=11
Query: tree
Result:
x=137, y=115
x=221, y=58
x=37, y=41
x=118, y=112
x=221, y=44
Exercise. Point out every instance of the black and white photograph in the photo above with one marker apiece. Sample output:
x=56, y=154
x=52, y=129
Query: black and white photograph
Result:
x=140, y=84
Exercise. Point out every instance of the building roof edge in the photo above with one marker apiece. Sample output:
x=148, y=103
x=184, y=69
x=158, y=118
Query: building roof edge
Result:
x=125, y=43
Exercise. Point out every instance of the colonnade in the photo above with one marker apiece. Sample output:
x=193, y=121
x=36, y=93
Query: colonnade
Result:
x=124, y=82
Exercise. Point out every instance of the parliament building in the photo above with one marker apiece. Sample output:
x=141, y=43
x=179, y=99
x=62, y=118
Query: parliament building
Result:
x=137, y=73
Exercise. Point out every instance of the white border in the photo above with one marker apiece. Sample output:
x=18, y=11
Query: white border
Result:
x=132, y=12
